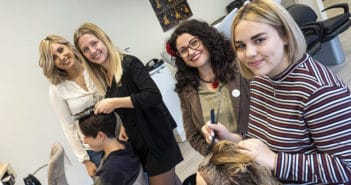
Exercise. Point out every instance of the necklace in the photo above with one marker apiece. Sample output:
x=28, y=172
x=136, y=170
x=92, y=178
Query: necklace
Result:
x=214, y=83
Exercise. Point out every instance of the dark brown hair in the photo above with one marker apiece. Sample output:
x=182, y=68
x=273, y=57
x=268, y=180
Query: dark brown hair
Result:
x=91, y=124
x=220, y=50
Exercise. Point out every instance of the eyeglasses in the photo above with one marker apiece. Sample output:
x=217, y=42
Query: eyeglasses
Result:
x=194, y=43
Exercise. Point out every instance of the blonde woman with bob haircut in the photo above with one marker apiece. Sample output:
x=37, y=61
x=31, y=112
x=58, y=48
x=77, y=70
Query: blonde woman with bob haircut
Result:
x=71, y=92
x=130, y=91
x=299, y=120
x=286, y=28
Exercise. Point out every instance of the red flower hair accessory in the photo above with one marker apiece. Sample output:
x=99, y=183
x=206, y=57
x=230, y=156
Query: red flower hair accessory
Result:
x=169, y=50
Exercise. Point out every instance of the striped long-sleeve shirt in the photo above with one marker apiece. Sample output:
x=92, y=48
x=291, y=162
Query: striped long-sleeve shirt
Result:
x=304, y=114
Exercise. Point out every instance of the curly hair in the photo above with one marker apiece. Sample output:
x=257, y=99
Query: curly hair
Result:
x=222, y=56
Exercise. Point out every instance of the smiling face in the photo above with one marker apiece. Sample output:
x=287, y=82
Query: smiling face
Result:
x=93, y=49
x=197, y=54
x=63, y=56
x=260, y=48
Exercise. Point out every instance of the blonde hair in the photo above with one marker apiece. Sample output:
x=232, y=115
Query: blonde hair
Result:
x=46, y=59
x=97, y=72
x=273, y=14
x=226, y=166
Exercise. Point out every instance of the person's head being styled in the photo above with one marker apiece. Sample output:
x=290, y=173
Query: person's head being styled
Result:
x=103, y=58
x=57, y=55
x=96, y=128
x=196, y=45
x=266, y=39
x=226, y=166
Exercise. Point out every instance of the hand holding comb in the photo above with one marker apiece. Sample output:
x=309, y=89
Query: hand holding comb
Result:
x=213, y=121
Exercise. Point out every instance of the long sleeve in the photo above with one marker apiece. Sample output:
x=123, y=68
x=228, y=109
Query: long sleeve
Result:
x=68, y=124
x=148, y=93
x=149, y=120
x=304, y=115
x=192, y=126
x=328, y=115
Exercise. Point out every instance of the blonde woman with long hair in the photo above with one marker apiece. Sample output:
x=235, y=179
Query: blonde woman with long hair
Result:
x=71, y=92
x=131, y=92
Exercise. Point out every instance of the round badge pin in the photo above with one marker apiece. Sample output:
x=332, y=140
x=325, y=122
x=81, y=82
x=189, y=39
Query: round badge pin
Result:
x=235, y=93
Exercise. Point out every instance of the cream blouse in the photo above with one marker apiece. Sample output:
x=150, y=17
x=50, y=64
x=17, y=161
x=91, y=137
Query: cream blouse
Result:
x=68, y=99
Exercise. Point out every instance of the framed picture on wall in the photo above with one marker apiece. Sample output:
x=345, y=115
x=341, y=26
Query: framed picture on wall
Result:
x=170, y=12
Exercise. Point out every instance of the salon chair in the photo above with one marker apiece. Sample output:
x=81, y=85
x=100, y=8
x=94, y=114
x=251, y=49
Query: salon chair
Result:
x=321, y=36
x=56, y=170
x=306, y=18
x=234, y=4
x=337, y=24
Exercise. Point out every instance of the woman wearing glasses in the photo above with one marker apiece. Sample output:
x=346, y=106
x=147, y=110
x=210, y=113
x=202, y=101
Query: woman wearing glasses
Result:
x=71, y=92
x=132, y=93
x=207, y=78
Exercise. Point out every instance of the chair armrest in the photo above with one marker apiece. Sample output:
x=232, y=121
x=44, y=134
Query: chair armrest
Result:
x=344, y=6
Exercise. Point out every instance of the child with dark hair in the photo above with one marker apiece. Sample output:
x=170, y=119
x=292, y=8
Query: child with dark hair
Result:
x=119, y=165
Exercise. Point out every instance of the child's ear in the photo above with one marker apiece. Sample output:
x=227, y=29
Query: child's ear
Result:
x=101, y=134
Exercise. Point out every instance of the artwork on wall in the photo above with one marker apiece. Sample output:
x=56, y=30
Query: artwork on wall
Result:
x=171, y=12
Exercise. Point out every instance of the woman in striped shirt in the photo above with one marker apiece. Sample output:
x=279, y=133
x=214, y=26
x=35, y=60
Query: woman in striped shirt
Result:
x=300, y=112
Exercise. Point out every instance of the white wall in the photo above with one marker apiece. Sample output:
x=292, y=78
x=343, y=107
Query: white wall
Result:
x=28, y=126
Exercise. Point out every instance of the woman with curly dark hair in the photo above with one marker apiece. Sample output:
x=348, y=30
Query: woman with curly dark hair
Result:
x=207, y=78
